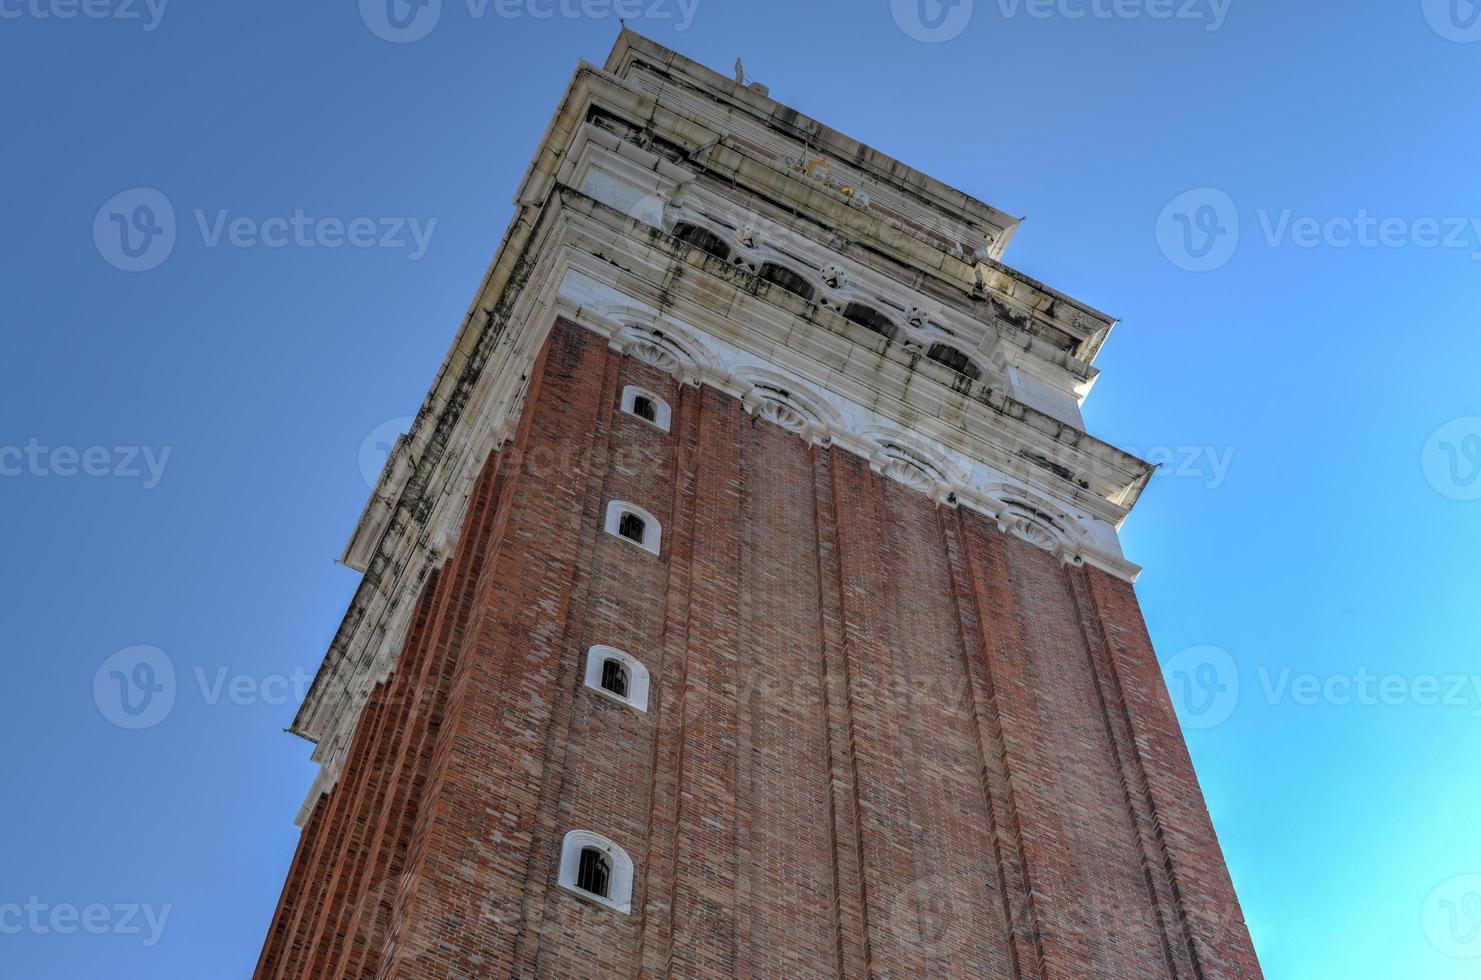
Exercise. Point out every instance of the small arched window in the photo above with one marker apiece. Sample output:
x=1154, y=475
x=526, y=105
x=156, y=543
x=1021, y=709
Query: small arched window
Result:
x=787, y=279
x=954, y=359
x=647, y=406
x=868, y=316
x=631, y=526
x=597, y=870
x=702, y=239
x=594, y=872
x=632, y=523
x=614, y=677
x=618, y=676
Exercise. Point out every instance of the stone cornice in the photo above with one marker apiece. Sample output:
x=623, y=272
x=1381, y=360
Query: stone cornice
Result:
x=715, y=152
x=633, y=53
x=976, y=420
x=992, y=325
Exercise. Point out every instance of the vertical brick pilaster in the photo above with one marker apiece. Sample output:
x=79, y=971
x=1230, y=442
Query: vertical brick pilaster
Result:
x=843, y=796
x=1001, y=815
x=1212, y=922
x=704, y=915
x=1035, y=812
x=1162, y=904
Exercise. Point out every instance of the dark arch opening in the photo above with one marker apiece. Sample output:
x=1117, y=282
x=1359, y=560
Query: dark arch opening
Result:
x=868, y=316
x=702, y=239
x=787, y=279
x=594, y=873
x=955, y=359
x=631, y=526
x=614, y=677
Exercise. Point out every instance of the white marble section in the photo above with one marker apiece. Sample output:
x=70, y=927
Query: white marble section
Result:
x=806, y=398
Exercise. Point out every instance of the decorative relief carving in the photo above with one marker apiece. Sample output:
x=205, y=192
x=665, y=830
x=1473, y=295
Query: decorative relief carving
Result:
x=1032, y=533
x=659, y=343
x=909, y=473
x=908, y=466
x=1054, y=533
x=650, y=353
x=783, y=415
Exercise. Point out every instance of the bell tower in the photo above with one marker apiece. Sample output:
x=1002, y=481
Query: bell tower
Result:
x=746, y=598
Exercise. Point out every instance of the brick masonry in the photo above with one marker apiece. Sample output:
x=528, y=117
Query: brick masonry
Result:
x=883, y=739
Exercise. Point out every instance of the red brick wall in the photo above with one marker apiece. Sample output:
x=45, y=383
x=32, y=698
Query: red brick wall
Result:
x=883, y=738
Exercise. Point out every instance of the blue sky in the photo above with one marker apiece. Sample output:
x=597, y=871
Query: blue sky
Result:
x=1278, y=199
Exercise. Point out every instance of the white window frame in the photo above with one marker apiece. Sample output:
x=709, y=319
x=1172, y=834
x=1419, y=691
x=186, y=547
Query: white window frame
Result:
x=652, y=530
x=663, y=416
x=619, y=883
x=638, y=681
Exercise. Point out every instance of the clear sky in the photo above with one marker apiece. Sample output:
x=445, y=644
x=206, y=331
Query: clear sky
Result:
x=186, y=425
